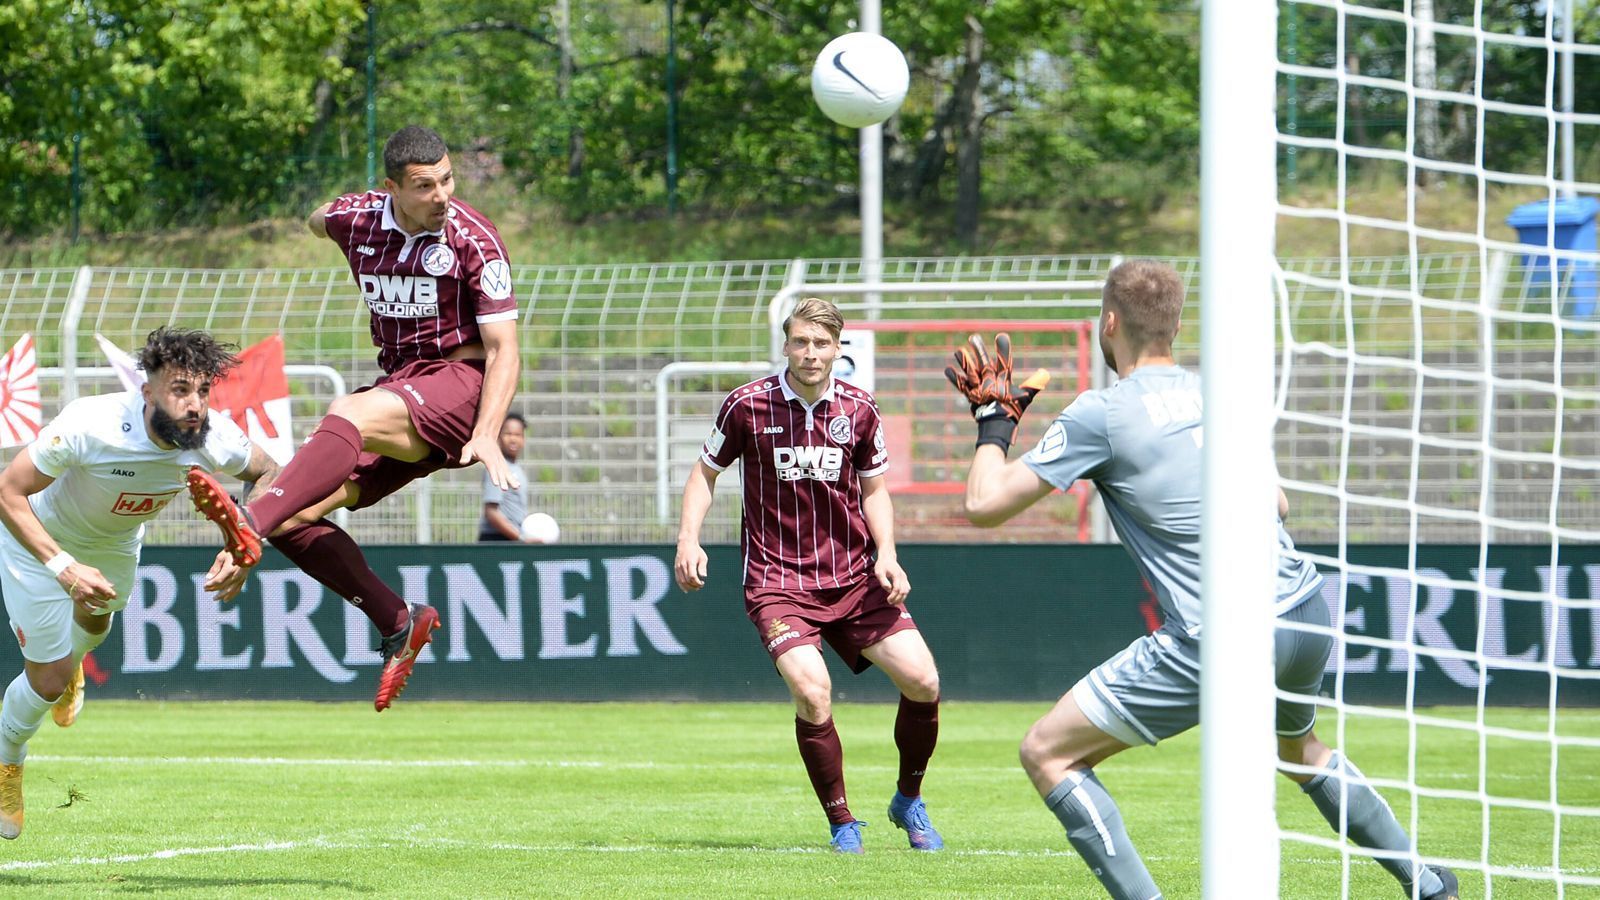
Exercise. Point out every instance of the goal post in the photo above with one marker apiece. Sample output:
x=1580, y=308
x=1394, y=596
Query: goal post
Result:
x=1420, y=372
x=1238, y=537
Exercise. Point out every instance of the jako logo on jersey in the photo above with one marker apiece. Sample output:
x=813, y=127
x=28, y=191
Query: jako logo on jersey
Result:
x=415, y=394
x=795, y=463
x=130, y=504
x=401, y=296
x=772, y=429
x=364, y=250
x=123, y=472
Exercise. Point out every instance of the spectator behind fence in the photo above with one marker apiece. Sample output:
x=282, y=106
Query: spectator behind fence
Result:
x=505, y=508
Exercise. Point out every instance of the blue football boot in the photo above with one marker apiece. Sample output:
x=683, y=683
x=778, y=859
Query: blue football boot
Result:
x=911, y=814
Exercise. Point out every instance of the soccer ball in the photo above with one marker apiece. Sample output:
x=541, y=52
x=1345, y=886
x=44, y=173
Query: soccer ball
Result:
x=860, y=79
x=541, y=528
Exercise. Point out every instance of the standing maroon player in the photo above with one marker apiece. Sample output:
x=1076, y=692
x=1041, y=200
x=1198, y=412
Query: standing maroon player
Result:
x=818, y=541
x=434, y=274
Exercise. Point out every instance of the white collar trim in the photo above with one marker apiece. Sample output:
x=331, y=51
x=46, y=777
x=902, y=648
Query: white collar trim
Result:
x=789, y=394
x=391, y=224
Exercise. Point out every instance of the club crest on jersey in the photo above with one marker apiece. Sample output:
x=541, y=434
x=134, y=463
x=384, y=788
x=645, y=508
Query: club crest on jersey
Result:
x=438, y=259
x=839, y=429
x=819, y=463
x=132, y=504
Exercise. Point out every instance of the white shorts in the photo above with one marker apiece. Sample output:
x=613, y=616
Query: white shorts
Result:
x=40, y=611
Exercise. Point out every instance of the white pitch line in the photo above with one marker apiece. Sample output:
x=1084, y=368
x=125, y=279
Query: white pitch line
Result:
x=953, y=771
x=461, y=763
x=316, y=843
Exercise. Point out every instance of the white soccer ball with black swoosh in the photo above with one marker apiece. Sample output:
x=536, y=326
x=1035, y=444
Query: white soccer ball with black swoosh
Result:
x=860, y=79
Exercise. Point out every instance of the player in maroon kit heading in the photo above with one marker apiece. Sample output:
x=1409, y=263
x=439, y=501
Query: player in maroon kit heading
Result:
x=434, y=274
x=820, y=564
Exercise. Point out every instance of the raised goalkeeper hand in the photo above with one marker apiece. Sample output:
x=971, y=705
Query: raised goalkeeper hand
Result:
x=985, y=380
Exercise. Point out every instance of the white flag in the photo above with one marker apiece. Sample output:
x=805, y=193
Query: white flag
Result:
x=20, y=418
x=128, y=371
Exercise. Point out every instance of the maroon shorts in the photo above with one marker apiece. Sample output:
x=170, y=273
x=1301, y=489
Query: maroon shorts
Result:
x=849, y=619
x=442, y=397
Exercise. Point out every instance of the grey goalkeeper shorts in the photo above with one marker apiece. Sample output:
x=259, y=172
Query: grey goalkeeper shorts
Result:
x=1151, y=691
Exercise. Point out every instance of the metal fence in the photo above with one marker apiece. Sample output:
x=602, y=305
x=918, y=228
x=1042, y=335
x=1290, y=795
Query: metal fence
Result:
x=595, y=338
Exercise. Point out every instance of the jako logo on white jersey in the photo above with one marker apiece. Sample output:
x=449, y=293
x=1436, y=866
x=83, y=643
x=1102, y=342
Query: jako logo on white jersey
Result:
x=401, y=296
x=795, y=463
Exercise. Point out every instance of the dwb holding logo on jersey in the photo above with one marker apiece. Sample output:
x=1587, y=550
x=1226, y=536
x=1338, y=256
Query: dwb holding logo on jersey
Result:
x=795, y=463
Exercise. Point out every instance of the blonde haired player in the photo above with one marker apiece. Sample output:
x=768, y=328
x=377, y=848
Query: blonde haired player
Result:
x=820, y=561
x=74, y=504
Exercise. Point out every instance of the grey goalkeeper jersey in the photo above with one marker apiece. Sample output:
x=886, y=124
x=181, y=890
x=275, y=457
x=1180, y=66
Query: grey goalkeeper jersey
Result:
x=1139, y=442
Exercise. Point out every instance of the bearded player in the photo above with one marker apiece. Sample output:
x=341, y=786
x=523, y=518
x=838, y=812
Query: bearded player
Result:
x=820, y=562
x=434, y=274
x=74, y=503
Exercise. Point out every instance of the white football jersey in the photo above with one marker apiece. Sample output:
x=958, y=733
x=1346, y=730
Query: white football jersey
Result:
x=110, y=477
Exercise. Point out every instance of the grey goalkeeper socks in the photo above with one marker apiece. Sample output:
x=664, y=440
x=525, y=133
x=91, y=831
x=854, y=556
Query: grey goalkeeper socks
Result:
x=1094, y=826
x=1368, y=820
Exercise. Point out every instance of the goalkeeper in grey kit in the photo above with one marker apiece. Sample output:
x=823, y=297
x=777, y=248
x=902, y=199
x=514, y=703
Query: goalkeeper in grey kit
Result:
x=1139, y=441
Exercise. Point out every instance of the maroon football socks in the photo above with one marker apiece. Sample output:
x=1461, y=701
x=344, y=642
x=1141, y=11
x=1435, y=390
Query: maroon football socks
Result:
x=824, y=759
x=327, y=553
x=318, y=468
x=916, y=731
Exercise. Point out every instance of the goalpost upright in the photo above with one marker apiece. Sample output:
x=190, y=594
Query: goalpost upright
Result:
x=1239, y=539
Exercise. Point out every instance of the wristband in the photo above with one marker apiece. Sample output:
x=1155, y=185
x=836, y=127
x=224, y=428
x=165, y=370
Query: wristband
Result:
x=997, y=430
x=58, y=563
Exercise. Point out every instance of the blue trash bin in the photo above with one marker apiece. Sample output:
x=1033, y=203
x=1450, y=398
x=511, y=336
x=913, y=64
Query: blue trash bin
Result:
x=1574, y=221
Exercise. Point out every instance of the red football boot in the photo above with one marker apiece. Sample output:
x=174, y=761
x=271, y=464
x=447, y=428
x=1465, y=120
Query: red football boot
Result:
x=400, y=654
x=238, y=537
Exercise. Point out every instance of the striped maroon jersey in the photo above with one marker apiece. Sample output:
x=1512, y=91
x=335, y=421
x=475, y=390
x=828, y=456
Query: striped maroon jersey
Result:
x=428, y=292
x=804, y=528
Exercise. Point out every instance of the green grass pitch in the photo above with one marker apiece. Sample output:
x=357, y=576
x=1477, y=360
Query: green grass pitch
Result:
x=680, y=800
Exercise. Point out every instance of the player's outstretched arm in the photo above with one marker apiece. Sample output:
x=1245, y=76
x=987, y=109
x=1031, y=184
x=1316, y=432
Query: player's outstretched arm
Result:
x=258, y=474
x=878, y=510
x=318, y=220
x=86, y=585
x=689, y=566
x=501, y=369
x=997, y=490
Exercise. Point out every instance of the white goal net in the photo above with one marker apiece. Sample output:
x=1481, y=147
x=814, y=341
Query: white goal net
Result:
x=1440, y=421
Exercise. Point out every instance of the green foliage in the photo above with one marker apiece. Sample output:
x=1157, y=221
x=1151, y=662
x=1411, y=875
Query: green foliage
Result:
x=205, y=111
x=175, y=109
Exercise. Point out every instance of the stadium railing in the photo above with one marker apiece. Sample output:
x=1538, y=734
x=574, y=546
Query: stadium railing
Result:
x=596, y=338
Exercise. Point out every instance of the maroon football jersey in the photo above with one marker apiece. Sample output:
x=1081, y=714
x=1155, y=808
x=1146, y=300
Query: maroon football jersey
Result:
x=429, y=291
x=802, y=468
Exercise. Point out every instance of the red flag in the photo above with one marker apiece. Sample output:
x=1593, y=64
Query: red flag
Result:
x=256, y=396
x=20, y=418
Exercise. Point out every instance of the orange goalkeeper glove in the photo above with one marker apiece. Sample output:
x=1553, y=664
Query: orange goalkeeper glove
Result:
x=997, y=404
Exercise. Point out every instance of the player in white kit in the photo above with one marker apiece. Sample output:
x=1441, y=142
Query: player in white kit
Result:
x=74, y=503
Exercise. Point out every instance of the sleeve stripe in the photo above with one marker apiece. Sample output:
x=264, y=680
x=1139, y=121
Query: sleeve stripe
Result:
x=486, y=228
x=499, y=316
x=713, y=463
x=874, y=472
x=467, y=236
